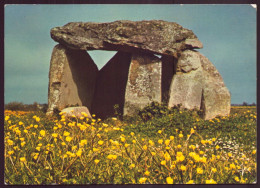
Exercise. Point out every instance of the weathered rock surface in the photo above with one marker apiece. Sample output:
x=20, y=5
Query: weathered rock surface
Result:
x=216, y=97
x=155, y=36
x=110, y=86
x=143, y=84
x=77, y=111
x=72, y=78
x=187, y=83
x=198, y=84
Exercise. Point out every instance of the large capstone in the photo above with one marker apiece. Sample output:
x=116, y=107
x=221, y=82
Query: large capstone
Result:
x=72, y=78
x=143, y=84
x=154, y=36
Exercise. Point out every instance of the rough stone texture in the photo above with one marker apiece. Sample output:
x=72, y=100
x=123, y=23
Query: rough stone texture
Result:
x=143, y=84
x=216, y=97
x=154, y=36
x=187, y=83
x=110, y=86
x=72, y=78
x=70, y=111
x=198, y=84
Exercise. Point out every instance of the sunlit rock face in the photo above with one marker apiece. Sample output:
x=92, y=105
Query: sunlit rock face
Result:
x=72, y=79
x=136, y=75
x=198, y=85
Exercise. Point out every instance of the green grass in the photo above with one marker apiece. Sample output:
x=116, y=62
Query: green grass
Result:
x=129, y=139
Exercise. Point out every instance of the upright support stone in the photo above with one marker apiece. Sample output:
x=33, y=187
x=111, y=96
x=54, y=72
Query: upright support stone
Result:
x=187, y=83
x=198, y=85
x=72, y=79
x=110, y=86
x=216, y=97
x=144, y=83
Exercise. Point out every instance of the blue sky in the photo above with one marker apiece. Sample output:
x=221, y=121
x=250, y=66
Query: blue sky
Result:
x=228, y=34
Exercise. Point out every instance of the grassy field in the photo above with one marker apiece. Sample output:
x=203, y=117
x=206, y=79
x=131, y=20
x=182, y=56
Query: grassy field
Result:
x=158, y=146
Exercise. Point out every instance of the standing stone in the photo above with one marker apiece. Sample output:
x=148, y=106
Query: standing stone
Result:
x=198, y=85
x=187, y=83
x=72, y=78
x=110, y=86
x=216, y=97
x=143, y=84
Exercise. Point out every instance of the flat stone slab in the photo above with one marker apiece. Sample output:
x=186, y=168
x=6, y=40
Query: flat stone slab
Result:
x=78, y=111
x=154, y=36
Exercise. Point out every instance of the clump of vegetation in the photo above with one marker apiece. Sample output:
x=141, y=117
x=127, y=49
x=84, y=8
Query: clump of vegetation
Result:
x=173, y=146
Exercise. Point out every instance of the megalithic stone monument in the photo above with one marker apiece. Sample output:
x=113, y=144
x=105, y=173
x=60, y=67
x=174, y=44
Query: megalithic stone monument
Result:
x=156, y=61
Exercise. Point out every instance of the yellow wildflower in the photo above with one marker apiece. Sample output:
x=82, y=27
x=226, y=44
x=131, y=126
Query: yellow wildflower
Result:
x=145, y=147
x=55, y=135
x=167, y=142
x=22, y=159
x=23, y=143
x=100, y=142
x=79, y=152
x=180, y=135
x=147, y=173
x=160, y=141
x=10, y=152
x=213, y=170
x=169, y=180
x=132, y=133
x=199, y=170
x=112, y=157
x=171, y=137
x=232, y=166
x=160, y=131
x=42, y=132
x=217, y=146
x=163, y=162
x=151, y=143
x=66, y=133
x=183, y=168
x=167, y=156
x=10, y=142
x=211, y=181
x=122, y=139
x=96, y=161
x=190, y=182
x=237, y=178
x=68, y=138
x=142, y=180
x=6, y=118
x=132, y=166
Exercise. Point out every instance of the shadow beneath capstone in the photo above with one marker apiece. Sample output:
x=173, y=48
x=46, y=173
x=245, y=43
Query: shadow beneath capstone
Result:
x=168, y=71
x=111, y=85
x=84, y=73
